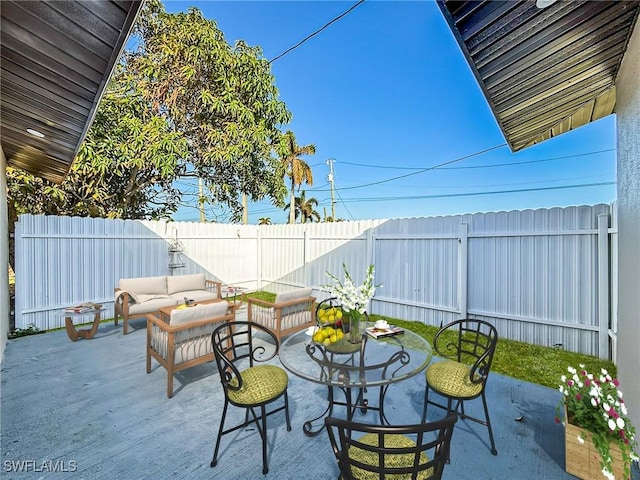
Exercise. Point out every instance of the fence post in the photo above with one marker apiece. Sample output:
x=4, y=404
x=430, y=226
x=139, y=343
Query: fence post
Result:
x=259, y=258
x=603, y=287
x=463, y=264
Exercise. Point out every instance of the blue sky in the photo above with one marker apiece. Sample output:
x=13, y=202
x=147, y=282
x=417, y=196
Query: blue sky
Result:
x=387, y=93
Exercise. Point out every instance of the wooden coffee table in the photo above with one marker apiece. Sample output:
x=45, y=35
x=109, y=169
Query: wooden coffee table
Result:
x=86, y=333
x=165, y=312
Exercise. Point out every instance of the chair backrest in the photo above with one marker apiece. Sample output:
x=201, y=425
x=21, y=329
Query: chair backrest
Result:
x=404, y=451
x=469, y=341
x=236, y=347
x=193, y=314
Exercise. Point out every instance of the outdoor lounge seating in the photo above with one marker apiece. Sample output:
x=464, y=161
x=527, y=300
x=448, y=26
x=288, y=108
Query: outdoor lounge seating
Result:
x=388, y=451
x=136, y=297
x=468, y=346
x=185, y=339
x=245, y=384
x=289, y=313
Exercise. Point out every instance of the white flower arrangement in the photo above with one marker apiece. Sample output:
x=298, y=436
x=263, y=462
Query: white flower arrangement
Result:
x=352, y=297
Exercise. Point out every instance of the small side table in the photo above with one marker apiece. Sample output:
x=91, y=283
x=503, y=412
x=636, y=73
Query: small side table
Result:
x=86, y=333
x=235, y=292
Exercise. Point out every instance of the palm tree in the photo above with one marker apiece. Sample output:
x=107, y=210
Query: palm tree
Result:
x=308, y=208
x=264, y=221
x=294, y=167
x=305, y=208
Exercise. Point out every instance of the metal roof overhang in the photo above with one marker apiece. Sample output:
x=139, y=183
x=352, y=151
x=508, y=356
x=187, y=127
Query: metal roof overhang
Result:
x=56, y=59
x=544, y=71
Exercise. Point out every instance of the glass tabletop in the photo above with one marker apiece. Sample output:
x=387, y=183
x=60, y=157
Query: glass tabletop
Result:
x=371, y=362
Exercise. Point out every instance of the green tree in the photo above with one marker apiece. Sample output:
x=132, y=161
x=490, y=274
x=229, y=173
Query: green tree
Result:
x=295, y=167
x=305, y=208
x=222, y=98
x=264, y=221
x=184, y=103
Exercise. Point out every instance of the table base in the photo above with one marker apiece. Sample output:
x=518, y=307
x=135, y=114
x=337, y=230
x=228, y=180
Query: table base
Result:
x=86, y=333
x=360, y=403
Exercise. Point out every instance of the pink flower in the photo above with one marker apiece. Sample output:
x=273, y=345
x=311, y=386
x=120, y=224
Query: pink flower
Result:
x=587, y=382
x=578, y=396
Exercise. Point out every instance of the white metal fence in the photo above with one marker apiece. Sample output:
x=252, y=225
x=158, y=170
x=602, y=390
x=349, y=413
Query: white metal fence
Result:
x=541, y=276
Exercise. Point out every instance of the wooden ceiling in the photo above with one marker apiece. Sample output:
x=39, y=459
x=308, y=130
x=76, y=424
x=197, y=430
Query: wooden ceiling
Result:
x=544, y=71
x=57, y=57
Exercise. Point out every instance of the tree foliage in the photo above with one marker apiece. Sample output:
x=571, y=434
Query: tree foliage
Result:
x=221, y=97
x=182, y=103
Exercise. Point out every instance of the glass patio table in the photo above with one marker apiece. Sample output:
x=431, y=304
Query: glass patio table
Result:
x=348, y=366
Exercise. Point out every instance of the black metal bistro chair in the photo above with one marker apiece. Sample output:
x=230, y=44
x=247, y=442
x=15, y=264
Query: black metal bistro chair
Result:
x=393, y=452
x=467, y=346
x=247, y=385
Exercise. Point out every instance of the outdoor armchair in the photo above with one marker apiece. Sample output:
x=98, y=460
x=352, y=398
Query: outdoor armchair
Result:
x=248, y=382
x=467, y=346
x=289, y=313
x=366, y=451
x=184, y=339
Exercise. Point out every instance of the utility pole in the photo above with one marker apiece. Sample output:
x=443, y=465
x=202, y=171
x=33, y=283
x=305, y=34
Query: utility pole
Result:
x=201, y=200
x=330, y=180
x=245, y=210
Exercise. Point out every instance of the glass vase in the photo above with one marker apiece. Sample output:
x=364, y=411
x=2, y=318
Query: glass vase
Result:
x=354, y=336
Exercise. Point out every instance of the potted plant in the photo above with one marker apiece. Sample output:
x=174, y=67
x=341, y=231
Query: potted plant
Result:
x=595, y=415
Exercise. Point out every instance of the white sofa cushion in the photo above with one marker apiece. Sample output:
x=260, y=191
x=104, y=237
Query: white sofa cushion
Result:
x=195, y=295
x=183, y=283
x=151, y=305
x=291, y=295
x=144, y=285
x=198, y=312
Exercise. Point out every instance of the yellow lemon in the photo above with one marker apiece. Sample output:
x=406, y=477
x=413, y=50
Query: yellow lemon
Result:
x=327, y=342
x=333, y=338
x=329, y=330
x=339, y=314
x=340, y=334
x=322, y=312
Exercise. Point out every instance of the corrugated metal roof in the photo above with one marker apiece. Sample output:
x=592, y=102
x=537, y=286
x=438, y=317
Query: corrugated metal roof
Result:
x=544, y=71
x=56, y=59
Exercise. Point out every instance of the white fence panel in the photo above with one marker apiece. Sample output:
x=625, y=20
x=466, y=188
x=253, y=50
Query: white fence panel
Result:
x=533, y=273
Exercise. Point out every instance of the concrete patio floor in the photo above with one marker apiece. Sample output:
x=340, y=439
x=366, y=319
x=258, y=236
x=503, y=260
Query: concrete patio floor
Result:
x=90, y=409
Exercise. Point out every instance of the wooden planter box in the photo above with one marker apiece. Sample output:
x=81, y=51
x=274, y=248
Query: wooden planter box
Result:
x=582, y=459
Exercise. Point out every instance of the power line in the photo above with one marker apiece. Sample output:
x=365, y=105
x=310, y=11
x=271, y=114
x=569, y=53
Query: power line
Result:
x=423, y=170
x=316, y=32
x=530, y=161
x=481, y=166
x=345, y=207
x=473, y=194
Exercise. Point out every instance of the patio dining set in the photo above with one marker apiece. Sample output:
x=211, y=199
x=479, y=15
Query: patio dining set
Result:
x=255, y=357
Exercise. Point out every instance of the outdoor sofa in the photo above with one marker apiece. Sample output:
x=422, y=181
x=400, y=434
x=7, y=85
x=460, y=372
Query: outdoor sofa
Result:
x=136, y=297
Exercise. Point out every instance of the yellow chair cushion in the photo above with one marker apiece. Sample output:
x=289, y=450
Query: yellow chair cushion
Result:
x=259, y=384
x=452, y=379
x=390, y=460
